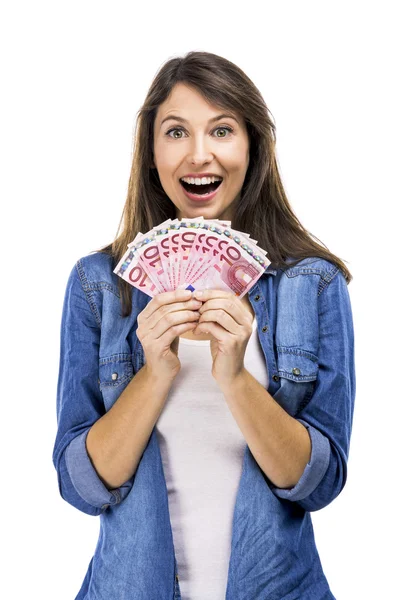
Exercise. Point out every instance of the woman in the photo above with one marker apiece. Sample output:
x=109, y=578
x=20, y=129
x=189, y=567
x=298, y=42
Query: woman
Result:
x=205, y=432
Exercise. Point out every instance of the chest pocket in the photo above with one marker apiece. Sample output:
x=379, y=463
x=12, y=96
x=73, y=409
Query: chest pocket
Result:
x=115, y=372
x=298, y=371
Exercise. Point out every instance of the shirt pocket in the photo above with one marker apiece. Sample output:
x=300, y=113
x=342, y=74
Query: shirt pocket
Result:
x=115, y=372
x=298, y=372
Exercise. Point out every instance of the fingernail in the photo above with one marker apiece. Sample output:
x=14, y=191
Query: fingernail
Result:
x=198, y=294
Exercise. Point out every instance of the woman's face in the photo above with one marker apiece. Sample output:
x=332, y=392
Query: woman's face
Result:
x=200, y=145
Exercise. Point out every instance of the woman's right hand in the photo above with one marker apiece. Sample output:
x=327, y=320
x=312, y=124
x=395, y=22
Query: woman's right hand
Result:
x=167, y=316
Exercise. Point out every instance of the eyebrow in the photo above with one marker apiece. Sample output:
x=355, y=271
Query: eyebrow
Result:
x=182, y=120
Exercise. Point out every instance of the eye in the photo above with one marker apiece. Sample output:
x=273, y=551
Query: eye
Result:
x=222, y=128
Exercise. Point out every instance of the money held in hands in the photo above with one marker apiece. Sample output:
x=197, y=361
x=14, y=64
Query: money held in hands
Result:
x=193, y=254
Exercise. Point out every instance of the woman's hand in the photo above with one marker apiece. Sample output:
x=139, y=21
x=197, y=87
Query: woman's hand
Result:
x=224, y=316
x=167, y=316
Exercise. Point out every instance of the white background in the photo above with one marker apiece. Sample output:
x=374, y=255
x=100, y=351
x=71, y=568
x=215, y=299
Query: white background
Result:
x=73, y=76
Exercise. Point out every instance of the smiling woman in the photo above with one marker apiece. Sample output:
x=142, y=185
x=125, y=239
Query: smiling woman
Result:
x=206, y=456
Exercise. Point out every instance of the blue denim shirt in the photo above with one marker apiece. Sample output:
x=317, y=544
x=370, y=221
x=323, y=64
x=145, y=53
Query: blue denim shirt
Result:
x=305, y=329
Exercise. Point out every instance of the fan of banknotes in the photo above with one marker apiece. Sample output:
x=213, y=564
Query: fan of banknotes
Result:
x=194, y=254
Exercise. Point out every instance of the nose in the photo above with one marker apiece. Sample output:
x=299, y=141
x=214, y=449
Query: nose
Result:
x=199, y=151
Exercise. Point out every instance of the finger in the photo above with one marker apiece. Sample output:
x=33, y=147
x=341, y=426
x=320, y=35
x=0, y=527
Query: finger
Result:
x=224, y=319
x=165, y=298
x=231, y=306
x=218, y=332
x=204, y=295
x=169, y=334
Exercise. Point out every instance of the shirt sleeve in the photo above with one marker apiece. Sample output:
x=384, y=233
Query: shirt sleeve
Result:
x=80, y=404
x=328, y=416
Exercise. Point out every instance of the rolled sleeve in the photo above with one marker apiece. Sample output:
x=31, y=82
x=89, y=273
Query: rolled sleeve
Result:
x=84, y=477
x=80, y=403
x=314, y=470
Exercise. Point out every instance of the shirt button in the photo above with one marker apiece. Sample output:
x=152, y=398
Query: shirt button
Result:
x=105, y=506
x=256, y=298
x=265, y=328
x=114, y=376
x=177, y=578
x=296, y=371
x=275, y=377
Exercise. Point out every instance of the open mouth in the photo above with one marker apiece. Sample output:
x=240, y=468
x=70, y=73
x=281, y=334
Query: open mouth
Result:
x=200, y=190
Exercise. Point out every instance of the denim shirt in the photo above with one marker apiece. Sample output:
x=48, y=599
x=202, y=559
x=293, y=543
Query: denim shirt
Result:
x=305, y=329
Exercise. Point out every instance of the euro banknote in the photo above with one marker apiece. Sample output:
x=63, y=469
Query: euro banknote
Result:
x=193, y=254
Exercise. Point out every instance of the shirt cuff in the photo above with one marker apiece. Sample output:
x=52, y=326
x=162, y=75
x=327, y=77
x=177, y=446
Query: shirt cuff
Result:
x=84, y=476
x=314, y=470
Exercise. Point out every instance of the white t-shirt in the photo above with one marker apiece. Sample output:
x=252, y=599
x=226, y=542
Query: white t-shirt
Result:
x=202, y=451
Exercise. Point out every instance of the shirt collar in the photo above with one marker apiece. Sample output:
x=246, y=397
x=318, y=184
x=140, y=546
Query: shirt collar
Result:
x=271, y=271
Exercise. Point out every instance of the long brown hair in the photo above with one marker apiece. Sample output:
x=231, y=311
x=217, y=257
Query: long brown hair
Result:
x=264, y=210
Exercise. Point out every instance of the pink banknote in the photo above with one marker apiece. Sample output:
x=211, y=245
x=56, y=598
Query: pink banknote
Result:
x=195, y=254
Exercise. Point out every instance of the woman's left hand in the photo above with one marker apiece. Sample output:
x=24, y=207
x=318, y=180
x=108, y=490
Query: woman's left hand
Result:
x=224, y=316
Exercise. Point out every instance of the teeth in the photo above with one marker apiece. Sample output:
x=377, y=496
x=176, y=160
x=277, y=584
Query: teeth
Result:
x=202, y=181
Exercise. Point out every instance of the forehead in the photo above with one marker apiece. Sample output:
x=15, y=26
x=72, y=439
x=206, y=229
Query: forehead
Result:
x=188, y=103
